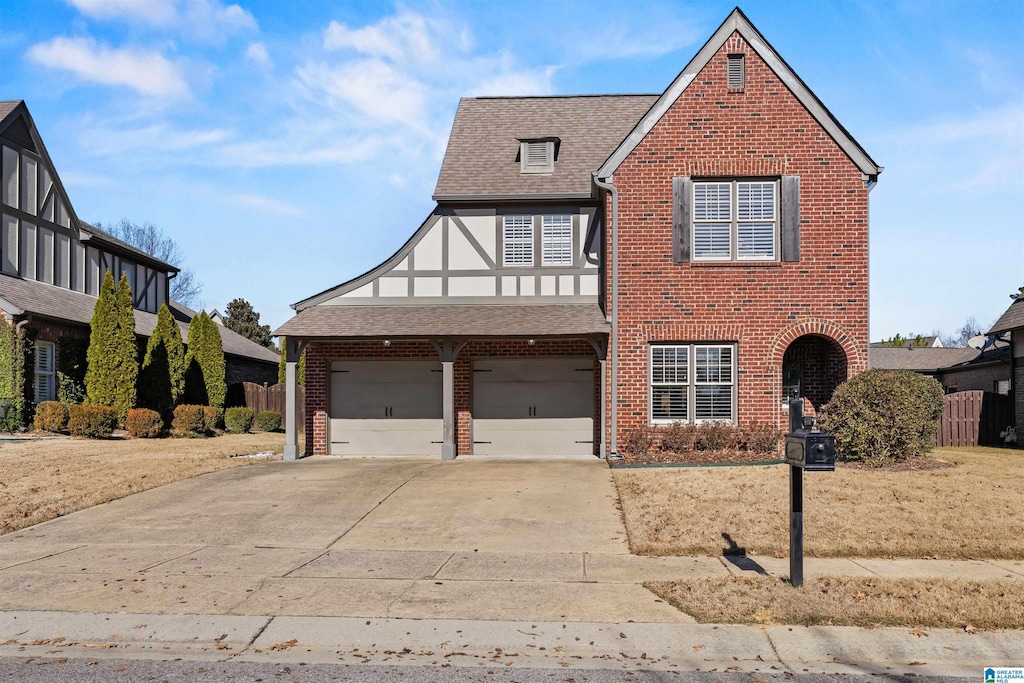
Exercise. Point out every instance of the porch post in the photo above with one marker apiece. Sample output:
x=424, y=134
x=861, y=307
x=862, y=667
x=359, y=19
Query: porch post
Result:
x=293, y=349
x=601, y=349
x=448, y=349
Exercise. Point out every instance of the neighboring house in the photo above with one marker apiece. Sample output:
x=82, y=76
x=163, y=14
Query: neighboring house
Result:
x=598, y=264
x=1012, y=321
x=931, y=341
x=957, y=369
x=52, y=265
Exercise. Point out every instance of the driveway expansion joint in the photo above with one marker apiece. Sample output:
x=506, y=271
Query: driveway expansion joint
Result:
x=771, y=644
x=172, y=559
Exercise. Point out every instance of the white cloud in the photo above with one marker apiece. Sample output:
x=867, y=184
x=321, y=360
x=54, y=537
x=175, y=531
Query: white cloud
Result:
x=264, y=204
x=402, y=38
x=202, y=19
x=146, y=72
x=380, y=92
x=159, y=138
x=87, y=180
x=257, y=52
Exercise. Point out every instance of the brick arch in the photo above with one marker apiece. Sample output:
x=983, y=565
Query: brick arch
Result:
x=855, y=359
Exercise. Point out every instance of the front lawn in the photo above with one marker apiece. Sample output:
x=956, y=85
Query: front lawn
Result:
x=40, y=480
x=972, y=510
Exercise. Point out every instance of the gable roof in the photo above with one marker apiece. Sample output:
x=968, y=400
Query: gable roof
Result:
x=920, y=358
x=480, y=161
x=19, y=296
x=1012, y=319
x=738, y=22
x=11, y=111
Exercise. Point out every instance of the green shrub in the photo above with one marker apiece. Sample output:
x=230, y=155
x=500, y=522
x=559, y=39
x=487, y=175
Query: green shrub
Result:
x=13, y=384
x=760, y=437
x=678, y=437
x=205, y=382
x=71, y=374
x=269, y=420
x=51, y=416
x=95, y=422
x=883, y=416
x=714, y=436
x=143, y=423
x=638, y=441
x=113, y=356
x=238, y=420
x=189, y=420
x=211, y=418
x=162, y=380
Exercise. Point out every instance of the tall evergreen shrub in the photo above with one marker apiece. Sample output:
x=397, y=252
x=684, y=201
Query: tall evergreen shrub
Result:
x=205, y=382
x=113, y=355
x=163, y=368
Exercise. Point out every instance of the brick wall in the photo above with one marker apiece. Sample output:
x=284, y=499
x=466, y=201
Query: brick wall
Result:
x=245, y=370
x=320, y=354
x=760, y=131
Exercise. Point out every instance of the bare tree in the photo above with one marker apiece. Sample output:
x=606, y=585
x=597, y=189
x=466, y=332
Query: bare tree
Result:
x=963, y=334
x=147, y=237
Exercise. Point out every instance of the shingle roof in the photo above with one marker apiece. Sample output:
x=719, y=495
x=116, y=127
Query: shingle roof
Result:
x=472, y=320
x=1012, y=319
x=918, y=358
x=481, y=157
x=7, y=106
x=49, y=301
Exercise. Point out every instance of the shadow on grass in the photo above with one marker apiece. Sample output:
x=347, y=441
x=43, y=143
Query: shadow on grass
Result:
x=737, y=556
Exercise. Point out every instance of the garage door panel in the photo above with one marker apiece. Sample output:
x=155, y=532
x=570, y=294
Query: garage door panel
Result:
x=532, y=369
x=542, y=437
x=385, y=437
x=384, y=371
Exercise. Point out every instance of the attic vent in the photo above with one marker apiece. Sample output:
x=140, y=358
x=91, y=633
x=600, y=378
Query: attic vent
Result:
x=18, y=133
x=537, y=156
x=736, y=75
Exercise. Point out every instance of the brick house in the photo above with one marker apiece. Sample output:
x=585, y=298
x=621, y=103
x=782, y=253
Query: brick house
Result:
x=52, y=264
x=1012, y=322
x=599, y=263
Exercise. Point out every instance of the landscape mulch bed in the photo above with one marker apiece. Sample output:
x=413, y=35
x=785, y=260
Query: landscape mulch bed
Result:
x=919, y=464
x=696, y=458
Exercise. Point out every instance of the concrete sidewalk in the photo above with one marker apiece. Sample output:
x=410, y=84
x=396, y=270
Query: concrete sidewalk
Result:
x=524, y=644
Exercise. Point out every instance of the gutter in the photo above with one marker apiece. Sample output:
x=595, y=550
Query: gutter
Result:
x=614, y=317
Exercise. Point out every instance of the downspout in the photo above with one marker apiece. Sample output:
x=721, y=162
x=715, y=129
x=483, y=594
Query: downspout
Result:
x=614, y=317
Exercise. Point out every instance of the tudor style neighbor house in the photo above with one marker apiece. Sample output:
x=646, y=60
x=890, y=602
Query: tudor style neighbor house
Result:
x=599, y=263
x=52, y=265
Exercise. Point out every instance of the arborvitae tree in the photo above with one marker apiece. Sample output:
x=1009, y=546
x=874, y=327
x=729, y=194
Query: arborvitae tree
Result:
x=163, y=369
x=243, y=319
x=126, y=353
x=300, y=371
x=204, y=379
x=100, y=376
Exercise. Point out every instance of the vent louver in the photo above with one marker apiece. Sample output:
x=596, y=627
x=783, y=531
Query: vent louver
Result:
x=736, y=75
x=18, y=133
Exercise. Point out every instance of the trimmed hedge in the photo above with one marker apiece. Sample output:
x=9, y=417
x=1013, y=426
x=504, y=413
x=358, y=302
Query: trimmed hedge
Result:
x=883, y=416
x=269, y=420
x=190, y=420
x=51, y=416
x=95, y=422
x=238, y=420
x=211, y=418
x=143, y=423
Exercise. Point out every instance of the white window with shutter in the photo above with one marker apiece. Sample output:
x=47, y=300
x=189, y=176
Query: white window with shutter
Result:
x=735, y=220
x=692, y=383
x=517, y=241
x=45, y=372
x=556, y=240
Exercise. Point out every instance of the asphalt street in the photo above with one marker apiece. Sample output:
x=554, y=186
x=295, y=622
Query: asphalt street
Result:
x=37, y=670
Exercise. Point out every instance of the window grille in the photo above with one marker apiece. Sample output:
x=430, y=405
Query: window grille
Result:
x=692, y=383
x=556, y=240
x=517, y=242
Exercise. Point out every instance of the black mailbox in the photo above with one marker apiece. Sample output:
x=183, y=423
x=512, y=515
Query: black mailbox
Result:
x=806, y=447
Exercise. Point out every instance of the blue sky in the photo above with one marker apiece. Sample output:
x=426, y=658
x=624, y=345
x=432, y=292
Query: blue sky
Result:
x=289, y=146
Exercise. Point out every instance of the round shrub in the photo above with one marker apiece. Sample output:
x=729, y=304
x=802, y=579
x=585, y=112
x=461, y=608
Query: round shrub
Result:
x=883, y=416
x=189, y=420
x=211, y=418
x=238, y=420
x=51, y=416
x=143, y=423
x=269, y=420
x=95, y=422
x=678, y=437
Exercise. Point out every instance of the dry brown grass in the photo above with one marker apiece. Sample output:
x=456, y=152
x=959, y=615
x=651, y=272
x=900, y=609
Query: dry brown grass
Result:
x=922, y=603
x=972, y=510
x=40, y=480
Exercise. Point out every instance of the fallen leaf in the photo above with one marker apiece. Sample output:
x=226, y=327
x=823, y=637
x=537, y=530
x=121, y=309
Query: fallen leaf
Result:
x=969, y=629
x=918, y=632
x=698, y=648
x=917, y=663
x=285, y=645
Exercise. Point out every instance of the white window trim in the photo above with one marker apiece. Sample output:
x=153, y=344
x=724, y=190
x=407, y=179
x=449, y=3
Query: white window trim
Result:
x=734, y=221
x=505, y=242
x=544, y=240
x=691, y=383
x=51, y=373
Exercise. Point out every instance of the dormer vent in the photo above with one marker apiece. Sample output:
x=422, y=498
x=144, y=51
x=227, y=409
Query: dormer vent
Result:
x=537, y=155
x=735, y=70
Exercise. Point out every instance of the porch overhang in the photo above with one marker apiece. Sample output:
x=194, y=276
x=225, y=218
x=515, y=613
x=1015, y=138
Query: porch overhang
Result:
x=447, y=321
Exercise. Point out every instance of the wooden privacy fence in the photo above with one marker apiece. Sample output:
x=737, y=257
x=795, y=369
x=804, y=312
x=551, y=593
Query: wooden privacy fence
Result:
x=259, y=398
x=973, y=418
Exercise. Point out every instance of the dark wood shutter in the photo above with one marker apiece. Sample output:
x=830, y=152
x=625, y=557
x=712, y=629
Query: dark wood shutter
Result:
x=791, y=218
x=682, y=197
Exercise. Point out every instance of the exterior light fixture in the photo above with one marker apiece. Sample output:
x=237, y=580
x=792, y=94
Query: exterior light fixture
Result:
x=531, y=342
x=387, y=343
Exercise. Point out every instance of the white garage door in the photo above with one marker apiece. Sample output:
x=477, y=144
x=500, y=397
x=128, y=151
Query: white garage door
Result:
x=537, y=406
x=385, y=408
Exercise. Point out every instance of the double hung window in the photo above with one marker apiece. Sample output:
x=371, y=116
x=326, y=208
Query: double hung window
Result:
x=735, y=220
x=555, y=244
x=692, y=383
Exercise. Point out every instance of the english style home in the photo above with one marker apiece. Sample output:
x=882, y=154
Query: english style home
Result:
x=599, y=263
x=52, y=264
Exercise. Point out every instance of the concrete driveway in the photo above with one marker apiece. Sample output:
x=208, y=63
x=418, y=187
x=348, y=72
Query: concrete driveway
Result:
x=415, y=538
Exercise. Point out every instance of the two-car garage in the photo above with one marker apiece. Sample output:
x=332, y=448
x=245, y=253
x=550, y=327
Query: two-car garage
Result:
x=519, y=406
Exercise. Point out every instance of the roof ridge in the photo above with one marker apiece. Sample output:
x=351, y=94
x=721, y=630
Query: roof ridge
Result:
x=553, y=97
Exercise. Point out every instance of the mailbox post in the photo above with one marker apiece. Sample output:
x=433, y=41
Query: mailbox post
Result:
x=806, y=449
